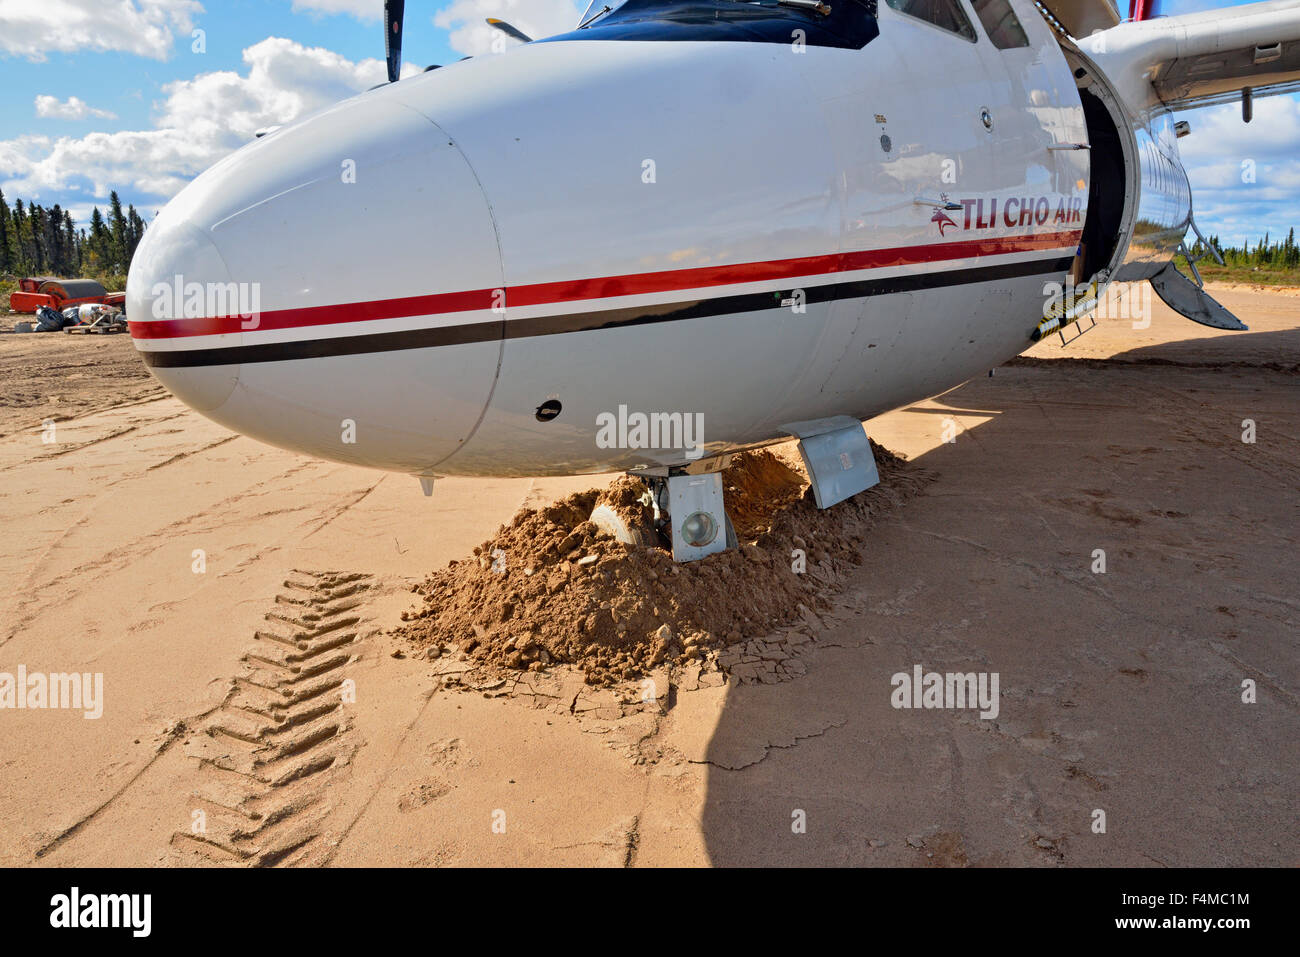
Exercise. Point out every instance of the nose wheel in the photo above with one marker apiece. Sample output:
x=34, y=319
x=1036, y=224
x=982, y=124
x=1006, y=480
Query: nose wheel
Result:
x=688, y=514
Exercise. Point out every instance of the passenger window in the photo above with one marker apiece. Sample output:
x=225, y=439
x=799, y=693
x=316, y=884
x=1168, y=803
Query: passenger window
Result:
x=942, y=13
x=1000, y=23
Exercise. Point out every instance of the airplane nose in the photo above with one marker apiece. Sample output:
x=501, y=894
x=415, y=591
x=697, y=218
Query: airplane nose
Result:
x=172, y=253
x=329, y=289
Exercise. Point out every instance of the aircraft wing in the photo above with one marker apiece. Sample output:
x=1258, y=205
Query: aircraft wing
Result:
x=1199, y=59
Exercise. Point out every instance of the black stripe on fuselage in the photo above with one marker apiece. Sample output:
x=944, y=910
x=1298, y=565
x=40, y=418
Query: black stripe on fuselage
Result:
x=471, y=332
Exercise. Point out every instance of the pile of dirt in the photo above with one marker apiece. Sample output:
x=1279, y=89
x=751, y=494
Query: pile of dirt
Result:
x=552, y=587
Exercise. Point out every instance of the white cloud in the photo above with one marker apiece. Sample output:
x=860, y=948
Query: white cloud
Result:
x=471, y=36
x=34, y=28
x=15, y=154
x=1219, y=130
x=200, y=121
x=361, y=9
x=1245, y=176
x=74, y=108
x=284, y=81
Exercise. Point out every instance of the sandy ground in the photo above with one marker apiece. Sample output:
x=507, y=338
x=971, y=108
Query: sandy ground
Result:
x=254, y=712
x=58, y=376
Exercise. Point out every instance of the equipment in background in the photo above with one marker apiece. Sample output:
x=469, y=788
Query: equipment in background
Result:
x=47, y=320
x=97, y=320
x=36, y=291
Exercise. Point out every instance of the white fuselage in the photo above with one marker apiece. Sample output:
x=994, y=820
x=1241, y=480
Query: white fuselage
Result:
x=718, y=229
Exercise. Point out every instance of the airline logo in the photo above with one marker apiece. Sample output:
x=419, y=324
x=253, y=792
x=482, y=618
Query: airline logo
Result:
x=943, y=219
x=1014, y=212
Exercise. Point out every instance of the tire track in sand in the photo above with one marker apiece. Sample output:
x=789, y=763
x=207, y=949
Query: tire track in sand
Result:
x=268, y=756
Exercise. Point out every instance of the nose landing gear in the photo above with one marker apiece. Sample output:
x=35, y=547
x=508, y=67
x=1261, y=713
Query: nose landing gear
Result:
x=687, y=502
x=688, y=511
x=693, y=514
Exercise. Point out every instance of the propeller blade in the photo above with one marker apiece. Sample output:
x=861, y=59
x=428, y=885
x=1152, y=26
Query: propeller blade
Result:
x=508, y=30
x=394, y=11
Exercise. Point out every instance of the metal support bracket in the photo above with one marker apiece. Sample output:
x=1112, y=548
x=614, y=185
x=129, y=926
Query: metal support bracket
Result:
x=837, y=456
x=696, y=516
x=1207, y=249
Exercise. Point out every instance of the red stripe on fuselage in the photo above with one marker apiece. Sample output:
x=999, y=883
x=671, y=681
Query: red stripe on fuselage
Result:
x=603, y=287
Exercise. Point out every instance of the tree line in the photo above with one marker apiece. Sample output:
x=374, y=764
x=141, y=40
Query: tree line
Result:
x=1284, y=254
x=40, y=241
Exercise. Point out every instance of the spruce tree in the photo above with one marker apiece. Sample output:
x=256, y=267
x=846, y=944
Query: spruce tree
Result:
x=99, y=243
x=57, y=251
x=18, y=254
x=74, y=248
x=6, y=258
x=135, y=229
x=36, y=218
x=118, y=253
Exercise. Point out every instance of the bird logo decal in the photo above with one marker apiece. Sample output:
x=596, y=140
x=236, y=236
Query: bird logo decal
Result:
x=942, y=219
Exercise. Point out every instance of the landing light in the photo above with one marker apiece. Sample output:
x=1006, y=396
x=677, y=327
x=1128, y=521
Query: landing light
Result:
x=699, y=529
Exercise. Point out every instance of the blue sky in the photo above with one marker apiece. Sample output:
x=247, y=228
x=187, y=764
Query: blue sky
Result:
x=128, y=82
x=97, y=95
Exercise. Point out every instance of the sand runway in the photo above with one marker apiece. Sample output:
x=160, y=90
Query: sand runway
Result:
x=238, y=601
